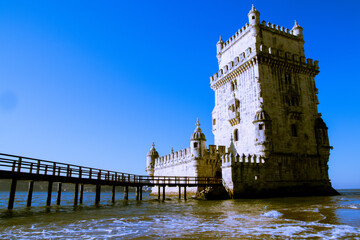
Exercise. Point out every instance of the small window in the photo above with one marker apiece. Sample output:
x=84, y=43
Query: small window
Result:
x=253, y=17
x=261, y=126
x=195, y=144
x=256, y=177
x=232, y=86
x=287, y=78
x=236, y=135
x=214, y=121
x=293, y=130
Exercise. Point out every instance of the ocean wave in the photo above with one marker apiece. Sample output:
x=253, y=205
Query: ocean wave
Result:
x=272, y=214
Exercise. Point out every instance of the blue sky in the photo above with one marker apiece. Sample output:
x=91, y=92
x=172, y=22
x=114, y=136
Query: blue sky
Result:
x=96, y=82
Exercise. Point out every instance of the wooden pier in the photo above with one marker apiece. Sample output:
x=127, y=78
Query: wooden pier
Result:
x=31, y=169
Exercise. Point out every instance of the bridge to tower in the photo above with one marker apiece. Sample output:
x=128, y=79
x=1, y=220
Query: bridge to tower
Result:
x=17, y=168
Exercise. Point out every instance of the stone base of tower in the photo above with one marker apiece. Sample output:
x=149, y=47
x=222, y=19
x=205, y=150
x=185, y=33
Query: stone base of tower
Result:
x=284, y=189
x=245, y=176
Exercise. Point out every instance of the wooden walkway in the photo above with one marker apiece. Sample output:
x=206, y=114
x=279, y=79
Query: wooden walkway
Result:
x=23, y=168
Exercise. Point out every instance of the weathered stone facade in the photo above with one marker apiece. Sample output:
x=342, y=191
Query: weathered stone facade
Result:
x=265, y=114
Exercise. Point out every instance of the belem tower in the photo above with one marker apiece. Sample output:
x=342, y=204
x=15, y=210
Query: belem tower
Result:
x=270, y=139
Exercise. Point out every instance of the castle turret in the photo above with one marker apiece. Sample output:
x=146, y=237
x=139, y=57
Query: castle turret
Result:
x=254, y=16
x=263, y=132
x=322, y=138
x=198, y=141
x=150, y=160
x=297, y=30
x=219, y=47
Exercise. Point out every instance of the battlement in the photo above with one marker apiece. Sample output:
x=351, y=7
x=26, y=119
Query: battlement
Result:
x=264, y=25
x=268, y=51
x=173, y=158
x=229, y=159
x=184, y=155
x=279, y=29
x=239, y=34
x=232, y=65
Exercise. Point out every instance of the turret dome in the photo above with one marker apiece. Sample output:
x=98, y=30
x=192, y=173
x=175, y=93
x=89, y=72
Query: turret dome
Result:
x=253, y=10
x=198, y=135
x=261, y=115
x=153, y=152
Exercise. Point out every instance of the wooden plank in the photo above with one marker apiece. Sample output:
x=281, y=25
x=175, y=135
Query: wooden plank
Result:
x=97, y=194
x=48, y=198
x=58, y=197
x=113, y=194
x=12, y=194
x=185, y=192
x=81, y=193
x=126, y=194
x=76, y=194
x=30, y=193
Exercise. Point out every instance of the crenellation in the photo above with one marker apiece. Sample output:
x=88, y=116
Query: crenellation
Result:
x=230, y=159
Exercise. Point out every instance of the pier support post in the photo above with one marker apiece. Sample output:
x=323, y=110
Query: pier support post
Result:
x=76, y=194
x=159, y=192
x=140, y=192
x=30, y=193
x=12, y=194
x=97, y=194
x=179, y=192
x=164, y=193
x=137, y=192
x=58, y=197
x=113, y=194
x=81, y=193
x=184, y=192
x=48, y=198
x=126, y=193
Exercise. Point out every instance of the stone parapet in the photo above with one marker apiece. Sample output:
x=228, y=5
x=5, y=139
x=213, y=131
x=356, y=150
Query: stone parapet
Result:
x=279, y=30
x=173, y=158
x=184, y=156
x=229, y=159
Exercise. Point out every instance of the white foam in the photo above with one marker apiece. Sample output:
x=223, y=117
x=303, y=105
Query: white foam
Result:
x=272, y=214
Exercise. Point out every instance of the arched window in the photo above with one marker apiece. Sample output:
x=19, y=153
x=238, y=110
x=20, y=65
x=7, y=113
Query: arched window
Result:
x=293, y=130
x=236, y=135
x=232, y=86
x=214, y=121
x=195, y=144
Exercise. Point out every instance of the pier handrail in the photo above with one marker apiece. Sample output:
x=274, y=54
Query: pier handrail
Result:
x=20, y=164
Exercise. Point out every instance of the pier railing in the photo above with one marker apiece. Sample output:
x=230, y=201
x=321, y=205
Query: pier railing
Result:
x=20, y=164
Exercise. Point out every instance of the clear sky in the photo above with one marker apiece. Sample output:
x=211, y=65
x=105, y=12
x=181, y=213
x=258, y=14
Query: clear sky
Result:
x=94, y=83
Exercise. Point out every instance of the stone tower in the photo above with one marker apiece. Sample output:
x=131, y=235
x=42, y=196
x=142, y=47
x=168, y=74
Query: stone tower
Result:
x=266, y=98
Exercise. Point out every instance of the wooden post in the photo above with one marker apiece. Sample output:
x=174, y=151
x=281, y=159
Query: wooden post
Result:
x=76, y=194
x=97, y=194
x=164, y=193
x=12, y=194
x=81, y=193
x=159, y=192
x=140, y=192
x=58, y=197
x=48, y=198
x=126, y=193
x=137, y=192
x=185, y=192
x=113, y=194
x=179, y=192
x=30, y=192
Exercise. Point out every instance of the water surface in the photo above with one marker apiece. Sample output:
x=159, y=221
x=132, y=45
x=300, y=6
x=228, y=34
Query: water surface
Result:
x=336, y=217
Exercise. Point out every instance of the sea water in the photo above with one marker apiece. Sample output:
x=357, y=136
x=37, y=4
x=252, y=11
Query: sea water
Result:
x=336, y=217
